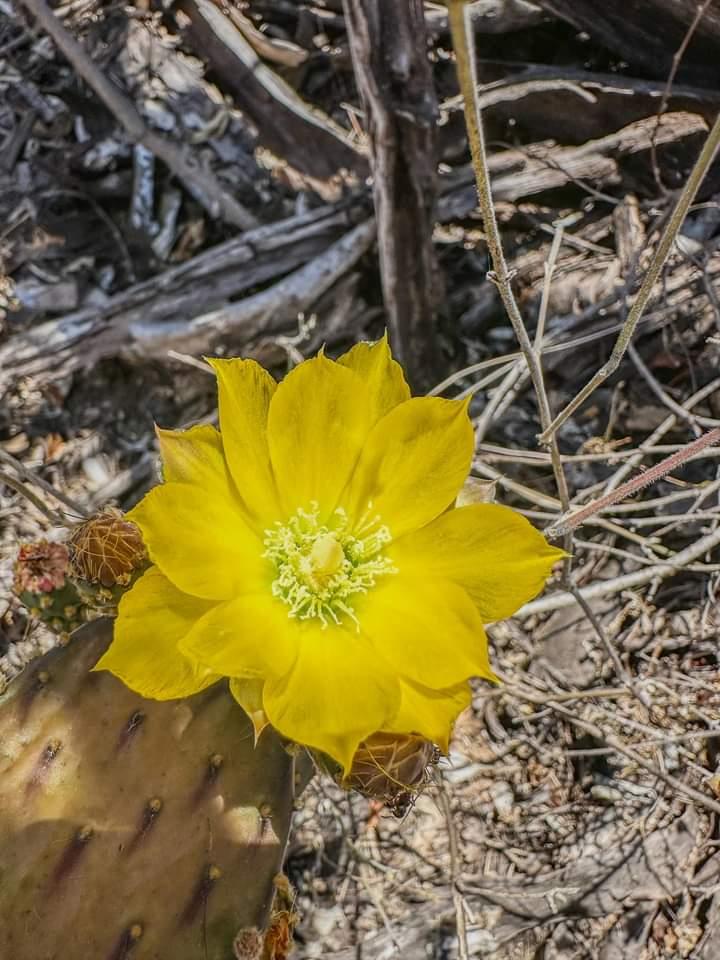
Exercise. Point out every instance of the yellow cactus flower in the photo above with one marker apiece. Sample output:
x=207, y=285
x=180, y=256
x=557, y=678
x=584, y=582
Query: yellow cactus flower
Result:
x=310, y=551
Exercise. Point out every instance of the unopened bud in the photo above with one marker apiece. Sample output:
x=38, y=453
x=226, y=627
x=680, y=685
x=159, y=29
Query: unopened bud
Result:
x=392, y=768
x=107, y=550
x=40, y=567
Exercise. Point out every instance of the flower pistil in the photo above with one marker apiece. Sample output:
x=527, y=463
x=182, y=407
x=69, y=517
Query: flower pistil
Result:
x=320, y=567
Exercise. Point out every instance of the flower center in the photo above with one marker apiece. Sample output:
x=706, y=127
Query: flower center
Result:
x=321, y=567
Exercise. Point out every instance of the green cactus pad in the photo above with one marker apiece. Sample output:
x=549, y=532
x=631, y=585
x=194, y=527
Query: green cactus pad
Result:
x=132, y=829
x=62, y=609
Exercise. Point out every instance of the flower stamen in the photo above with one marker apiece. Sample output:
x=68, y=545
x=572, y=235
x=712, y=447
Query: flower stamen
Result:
x=321, y=567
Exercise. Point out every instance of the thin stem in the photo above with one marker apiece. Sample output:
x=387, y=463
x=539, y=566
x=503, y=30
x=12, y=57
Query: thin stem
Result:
x=665, y=398
x=568, y=524
x=667, y=239
x=501, y=277
x=463, y=43
x=510, y=381
x=550, y=265
x=460, y=925
x=659, y=432
x=38, y=481
x=19, y=487
x=676, y=61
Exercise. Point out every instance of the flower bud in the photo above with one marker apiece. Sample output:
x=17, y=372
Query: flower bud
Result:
x=107, y=550
x=40, y=567
x=41, y=582
x=392, y=768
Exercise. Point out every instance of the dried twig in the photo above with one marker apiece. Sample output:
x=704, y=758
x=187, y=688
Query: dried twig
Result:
x=457, y=896
x=677, y=786
x=634, y=462
x=300, y=133
x=31, y=477
x=662, y=251
x=19, y=487
x=628, y=581
x=459, y=13
x=571, y=522
x=193, y=289
x=201, y=183
x=676, y=61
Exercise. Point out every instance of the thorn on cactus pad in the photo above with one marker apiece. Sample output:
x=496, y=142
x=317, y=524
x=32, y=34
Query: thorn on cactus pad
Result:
x=128, y=940
x=212, y=772
x=34, y=688
x=210, y=876
x=129, y=731
x=43, y=766
x=150, y=814
x=71, y=855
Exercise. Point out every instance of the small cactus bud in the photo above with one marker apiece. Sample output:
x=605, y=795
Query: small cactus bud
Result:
x=40, y=568
x=249, y=944
x=42, y=583
x=107, y=551
x=392, y=768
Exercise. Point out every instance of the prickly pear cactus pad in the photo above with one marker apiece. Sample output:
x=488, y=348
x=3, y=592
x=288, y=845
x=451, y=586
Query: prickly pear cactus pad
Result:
x=133, y=829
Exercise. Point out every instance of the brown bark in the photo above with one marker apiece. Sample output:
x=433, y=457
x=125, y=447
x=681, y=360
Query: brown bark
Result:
x=388, y=47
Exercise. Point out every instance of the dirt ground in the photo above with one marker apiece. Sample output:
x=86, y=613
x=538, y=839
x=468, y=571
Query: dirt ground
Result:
x=216, y=201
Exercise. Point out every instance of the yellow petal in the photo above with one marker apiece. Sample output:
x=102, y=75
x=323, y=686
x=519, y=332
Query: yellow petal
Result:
x=194, y=455
x=430, y=713
x=413, y=463
x=248, y=694
x=428, y=630
x=317, y=425
x=338, y=693
x=383, y=377
x=244, y=393
x=492, y=551
x=153, y=617
x=251, y=636
x=199, y=539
